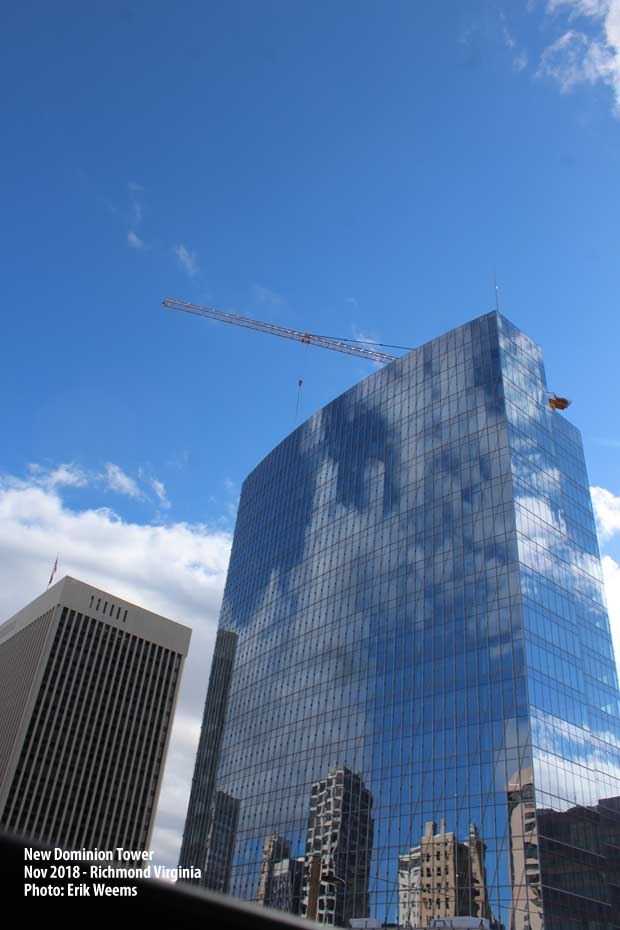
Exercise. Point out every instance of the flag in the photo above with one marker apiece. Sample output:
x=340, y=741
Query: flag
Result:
x=53, y=572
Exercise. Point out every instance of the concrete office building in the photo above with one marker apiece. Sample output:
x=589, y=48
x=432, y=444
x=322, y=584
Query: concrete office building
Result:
x=88, y=686
x=415, y=595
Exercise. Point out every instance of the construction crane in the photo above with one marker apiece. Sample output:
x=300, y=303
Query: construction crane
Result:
x=325, y=342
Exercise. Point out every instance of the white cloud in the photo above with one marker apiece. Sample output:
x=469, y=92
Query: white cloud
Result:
x=520, y=60
x=596, y=8
x=366, y=342
x=576, y=57
x=509, y=39
x=160, y=491
x=611, y=574
x=134, y=241
x=118, y=481
x=267, y=296
x=176, y=570
x=607, y=512
x=136, y=211
x=519, y=55
x=67, y=475
x=187, y=260
x=131, y=214
x=361, y=336
x=232, y=502
x=113, y=478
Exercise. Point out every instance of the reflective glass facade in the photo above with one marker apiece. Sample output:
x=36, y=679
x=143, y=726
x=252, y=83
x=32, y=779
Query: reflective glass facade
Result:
x=413, y=697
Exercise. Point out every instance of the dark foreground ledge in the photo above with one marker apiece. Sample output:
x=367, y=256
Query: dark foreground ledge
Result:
x=169, y=905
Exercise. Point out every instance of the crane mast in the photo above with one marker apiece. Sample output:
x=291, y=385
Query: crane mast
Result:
x=324, y=342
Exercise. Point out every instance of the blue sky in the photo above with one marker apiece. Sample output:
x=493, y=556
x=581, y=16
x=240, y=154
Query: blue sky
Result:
x=348, y=168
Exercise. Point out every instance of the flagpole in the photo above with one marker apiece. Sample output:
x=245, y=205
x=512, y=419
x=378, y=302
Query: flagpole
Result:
x=54, y=570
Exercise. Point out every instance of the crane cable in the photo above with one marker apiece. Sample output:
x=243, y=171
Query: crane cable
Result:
x=365, y=342
x=299, y=384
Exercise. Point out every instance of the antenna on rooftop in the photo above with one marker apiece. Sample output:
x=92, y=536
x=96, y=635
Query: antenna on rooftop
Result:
x=496, y=292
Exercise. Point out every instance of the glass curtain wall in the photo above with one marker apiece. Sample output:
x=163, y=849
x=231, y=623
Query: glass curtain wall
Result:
x=420, y=716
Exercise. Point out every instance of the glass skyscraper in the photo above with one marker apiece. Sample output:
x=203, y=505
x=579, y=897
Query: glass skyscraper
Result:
x=413, y=696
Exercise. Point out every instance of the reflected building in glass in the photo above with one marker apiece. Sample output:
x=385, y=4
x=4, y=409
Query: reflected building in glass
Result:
x=338, y=850
x=414, y=606
x=443, y=878
x=220, y=841
x=280, y=881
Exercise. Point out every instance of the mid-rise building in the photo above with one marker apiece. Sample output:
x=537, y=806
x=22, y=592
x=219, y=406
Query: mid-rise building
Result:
x=88, y=686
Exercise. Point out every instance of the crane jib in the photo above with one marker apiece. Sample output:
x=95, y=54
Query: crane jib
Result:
x=324, y=342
